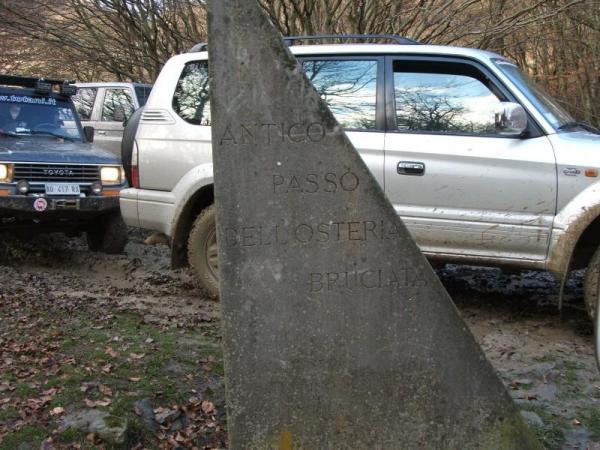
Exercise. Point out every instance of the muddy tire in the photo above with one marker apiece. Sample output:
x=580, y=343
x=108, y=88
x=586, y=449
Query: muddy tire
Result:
x=591, y=283
x=108, y=236
x=202, y=250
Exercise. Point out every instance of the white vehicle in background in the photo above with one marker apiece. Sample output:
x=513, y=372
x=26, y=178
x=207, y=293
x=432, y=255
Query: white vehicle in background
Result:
x=104, y=106
x=482, y=166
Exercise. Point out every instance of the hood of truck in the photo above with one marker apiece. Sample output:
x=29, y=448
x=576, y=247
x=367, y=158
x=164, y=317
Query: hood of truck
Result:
x=577, y=169
x=577, y=148
x=44, y=150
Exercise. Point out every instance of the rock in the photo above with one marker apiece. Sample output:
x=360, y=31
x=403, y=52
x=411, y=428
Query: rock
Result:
x=144, y=407
x=324, y=285
x=168, y=416
x=172, y=367
x=180, y=423
x=532, y=419
x=157, y=238
x=546, y=392
x=518, y=393
x=109, y=428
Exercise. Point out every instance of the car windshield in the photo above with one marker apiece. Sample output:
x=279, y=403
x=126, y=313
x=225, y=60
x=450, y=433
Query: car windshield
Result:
x=548, y=106
x=28, y=115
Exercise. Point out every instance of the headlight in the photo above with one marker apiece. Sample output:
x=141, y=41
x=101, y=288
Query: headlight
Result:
x=6, y=173
x=111, y=175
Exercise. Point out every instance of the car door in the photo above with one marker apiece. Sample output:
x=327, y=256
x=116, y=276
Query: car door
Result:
x=462, y=188
x=117, y=106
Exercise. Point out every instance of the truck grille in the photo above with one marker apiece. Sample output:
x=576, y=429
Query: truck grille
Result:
x=72, y=173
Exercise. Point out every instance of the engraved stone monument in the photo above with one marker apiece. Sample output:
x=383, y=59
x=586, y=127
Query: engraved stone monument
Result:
x=337, y=333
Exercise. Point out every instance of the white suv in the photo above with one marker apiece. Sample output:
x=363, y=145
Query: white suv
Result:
x=482, y=166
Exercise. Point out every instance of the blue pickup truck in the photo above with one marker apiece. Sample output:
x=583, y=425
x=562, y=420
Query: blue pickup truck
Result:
x=51, y=176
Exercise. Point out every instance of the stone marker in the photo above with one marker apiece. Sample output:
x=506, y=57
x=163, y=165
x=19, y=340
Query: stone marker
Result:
x=337, y=332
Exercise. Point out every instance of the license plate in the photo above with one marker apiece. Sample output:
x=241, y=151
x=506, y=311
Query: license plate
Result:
x=62, y=189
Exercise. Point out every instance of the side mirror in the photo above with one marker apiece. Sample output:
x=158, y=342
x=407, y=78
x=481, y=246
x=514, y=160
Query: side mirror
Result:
x=511, y=120
x=89, y=134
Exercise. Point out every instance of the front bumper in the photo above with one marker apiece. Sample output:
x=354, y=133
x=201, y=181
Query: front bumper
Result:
x=41, y=209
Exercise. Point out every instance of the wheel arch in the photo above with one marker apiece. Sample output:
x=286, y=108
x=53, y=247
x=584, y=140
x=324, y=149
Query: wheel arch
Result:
x=201, y=199
x=577, y=233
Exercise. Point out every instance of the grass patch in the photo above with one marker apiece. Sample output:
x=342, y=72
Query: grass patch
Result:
x=24, y=390
x=568, y=381
x=551, y=434
x=590, y=418
x=8, y=414
x=115, y=358
x=29, y=434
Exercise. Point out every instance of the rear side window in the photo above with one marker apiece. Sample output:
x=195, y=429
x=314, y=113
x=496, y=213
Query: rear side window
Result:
x=118, y=105
x=349, y=88
x=84, y=102
x=191, y=99
x=450, y=98
x=142, y=93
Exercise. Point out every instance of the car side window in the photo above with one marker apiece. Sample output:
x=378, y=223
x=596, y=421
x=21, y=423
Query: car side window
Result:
x=191, y=98
x=451, y=98
x=142, y=93
x=84, y=102
x=118, y=105
x=349, y=87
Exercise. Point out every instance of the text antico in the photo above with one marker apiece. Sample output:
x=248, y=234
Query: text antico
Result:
x=359, y=279
x=273, y=133
x=305, y=233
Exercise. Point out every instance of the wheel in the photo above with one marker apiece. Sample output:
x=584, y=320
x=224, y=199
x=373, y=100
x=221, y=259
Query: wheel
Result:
x=591, y=283
x=108, y=236
x=203, y=251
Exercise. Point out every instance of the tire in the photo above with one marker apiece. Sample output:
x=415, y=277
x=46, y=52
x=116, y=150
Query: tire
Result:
x=202, y=250
x=591, y=283
x=109, y=236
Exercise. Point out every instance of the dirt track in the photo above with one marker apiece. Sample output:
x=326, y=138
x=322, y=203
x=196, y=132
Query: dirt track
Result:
x=545, y=358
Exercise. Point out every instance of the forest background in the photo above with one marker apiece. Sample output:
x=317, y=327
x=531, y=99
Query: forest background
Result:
x=557, y=42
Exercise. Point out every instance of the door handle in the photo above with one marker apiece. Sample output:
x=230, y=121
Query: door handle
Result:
x=101, y=132
x=411, y=168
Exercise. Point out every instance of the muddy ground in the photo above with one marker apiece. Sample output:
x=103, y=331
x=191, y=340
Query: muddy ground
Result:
x=89, y=334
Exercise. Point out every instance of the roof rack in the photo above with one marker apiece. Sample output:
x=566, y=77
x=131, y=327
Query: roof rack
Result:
x=29, y=82
x=203, y=46
x=390, y=37
x=42, y=86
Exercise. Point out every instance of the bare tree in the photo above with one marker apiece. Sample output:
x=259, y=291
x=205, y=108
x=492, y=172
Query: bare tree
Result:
x=129, y=39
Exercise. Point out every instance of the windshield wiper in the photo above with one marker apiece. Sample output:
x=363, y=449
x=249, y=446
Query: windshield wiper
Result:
x=575, y=124
x=9, y=134
x=49, y=133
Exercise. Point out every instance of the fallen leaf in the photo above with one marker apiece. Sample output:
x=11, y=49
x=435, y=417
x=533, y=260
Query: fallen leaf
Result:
x=207, y=407
x=110, y=352
x=93, y=403
x=105, y=390
x=56, y=411
x=135, y=379
x=137, y=355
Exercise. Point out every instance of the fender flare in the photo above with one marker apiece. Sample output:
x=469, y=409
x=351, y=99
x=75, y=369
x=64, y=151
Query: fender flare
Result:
x=194, y=187
x=569, y=225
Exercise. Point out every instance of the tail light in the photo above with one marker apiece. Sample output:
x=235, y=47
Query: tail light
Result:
x=135, y=172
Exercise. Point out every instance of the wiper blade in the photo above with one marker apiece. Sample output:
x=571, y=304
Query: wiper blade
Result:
x=575, y=124
x=9, y=134
x=49, y=133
